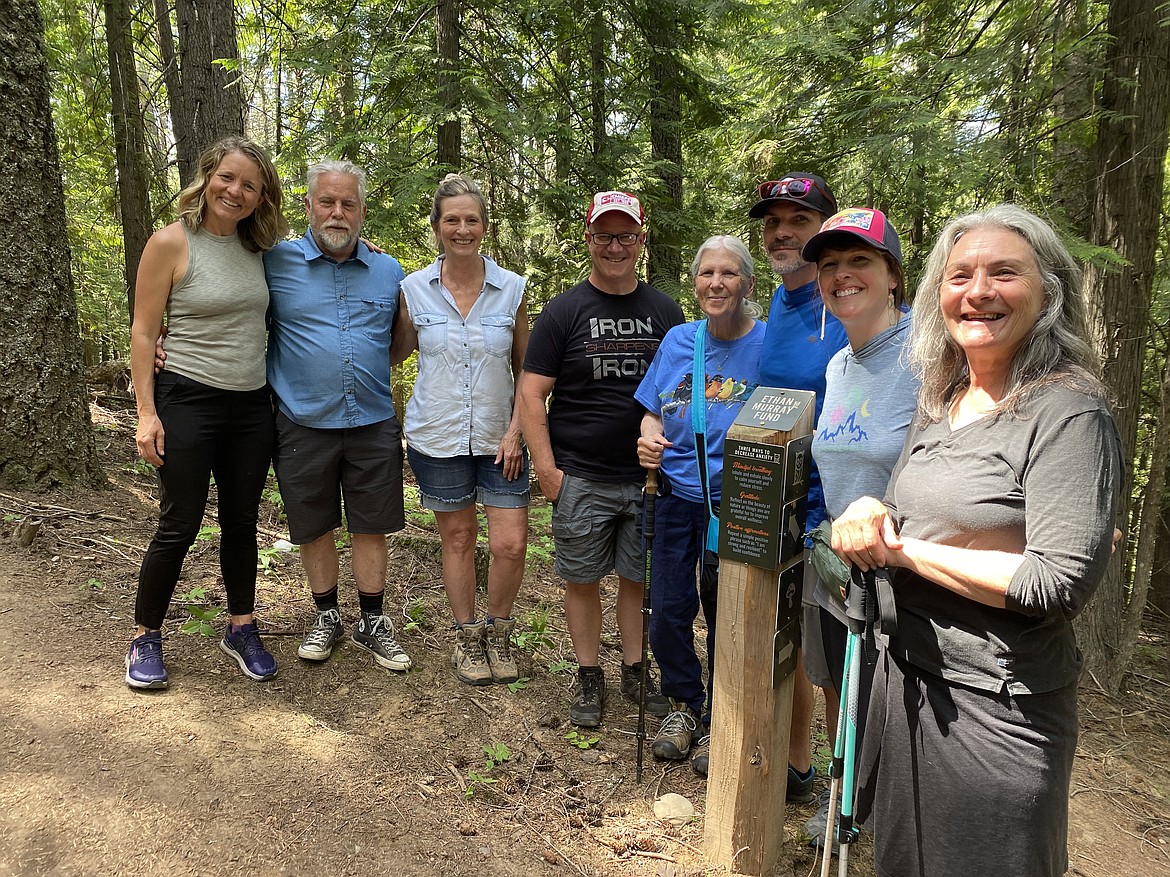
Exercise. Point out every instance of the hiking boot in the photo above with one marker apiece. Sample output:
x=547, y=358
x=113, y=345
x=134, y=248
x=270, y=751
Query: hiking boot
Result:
x=322, y=636
x=676, y=733
x=656, y=704
x=499, y=651
x=470, y=656
x=144, y=662
x=244, y=645
x=375, y=634
x=816, y=825
x=701, y=755
x=588, y=698
x=800, y=789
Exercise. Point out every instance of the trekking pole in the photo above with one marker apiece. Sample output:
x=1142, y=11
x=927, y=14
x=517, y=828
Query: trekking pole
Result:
x=859, y=611
x=651, y=494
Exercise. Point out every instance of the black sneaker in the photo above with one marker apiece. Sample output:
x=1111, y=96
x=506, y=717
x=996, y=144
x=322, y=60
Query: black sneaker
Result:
x=656, y=703
x=588, y=698
x=674, y=737
x=375, y=634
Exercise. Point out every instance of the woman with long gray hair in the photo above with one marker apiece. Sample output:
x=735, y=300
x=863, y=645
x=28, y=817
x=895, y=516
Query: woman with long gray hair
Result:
x=997, y=526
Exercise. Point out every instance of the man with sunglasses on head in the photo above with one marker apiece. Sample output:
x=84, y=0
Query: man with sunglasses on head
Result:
x=589, y=349
x=800, y=340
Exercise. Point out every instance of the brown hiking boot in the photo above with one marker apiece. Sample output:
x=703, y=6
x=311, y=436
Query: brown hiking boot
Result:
x=501, y=661
x=470, y=657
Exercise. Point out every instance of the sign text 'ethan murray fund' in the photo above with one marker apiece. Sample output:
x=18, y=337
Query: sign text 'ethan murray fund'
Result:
x=621, y=347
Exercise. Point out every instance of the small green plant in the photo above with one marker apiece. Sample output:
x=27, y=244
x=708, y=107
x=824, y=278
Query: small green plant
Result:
x=207, y=533
x=582, y=741
x=416, y=611
x=272, y=495
x=540, y=542
x=536, y=636
x=95, y=584
x=519, y=685
x=140, y=467
x=267, y=559
x=562, y=665
x=201, y=616
x=495, y=754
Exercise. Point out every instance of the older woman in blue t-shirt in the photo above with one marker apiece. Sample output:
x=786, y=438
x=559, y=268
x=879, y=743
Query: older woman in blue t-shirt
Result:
x=732, y=337
x=466, y=316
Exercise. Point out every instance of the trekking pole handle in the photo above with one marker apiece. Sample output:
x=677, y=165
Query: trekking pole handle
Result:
x=651, y=496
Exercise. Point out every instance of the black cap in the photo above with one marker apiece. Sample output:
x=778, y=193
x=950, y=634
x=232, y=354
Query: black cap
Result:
x=807, y=190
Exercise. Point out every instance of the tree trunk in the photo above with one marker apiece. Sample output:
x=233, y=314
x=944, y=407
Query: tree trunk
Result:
x=129, y=142
x=203, y=83
x=1129, y=157
x=46, y=438
x=449, y=153
x=1072, y=106
x=598, y=47
x=664, y=262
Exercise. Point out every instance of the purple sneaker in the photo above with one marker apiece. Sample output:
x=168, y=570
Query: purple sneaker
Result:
x=244, y=645
x=144, y=662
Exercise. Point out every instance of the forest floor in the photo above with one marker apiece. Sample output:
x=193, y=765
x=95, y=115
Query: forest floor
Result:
x=347, y=769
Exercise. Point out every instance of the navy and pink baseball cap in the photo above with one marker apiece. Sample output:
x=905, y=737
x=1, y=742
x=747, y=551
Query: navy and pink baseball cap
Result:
x=615, y=202
x=852, y=226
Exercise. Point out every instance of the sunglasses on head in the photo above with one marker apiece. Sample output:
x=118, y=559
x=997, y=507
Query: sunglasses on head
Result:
x=795, y=187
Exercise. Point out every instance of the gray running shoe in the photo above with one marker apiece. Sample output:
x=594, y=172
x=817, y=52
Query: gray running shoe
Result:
x=375, y=634
x=322, y=636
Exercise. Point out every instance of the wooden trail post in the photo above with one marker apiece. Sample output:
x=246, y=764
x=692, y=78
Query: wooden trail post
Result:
x=765, y=482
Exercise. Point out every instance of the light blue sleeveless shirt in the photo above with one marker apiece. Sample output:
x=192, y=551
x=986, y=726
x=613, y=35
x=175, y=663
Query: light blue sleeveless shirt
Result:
x=462, y=401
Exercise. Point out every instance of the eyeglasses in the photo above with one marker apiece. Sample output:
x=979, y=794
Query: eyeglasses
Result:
x=796, y=187
x=602, y=239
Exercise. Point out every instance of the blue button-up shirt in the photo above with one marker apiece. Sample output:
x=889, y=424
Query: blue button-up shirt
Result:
x=329, y=333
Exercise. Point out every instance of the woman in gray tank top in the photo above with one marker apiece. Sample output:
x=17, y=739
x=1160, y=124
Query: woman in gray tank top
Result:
x=209, y=412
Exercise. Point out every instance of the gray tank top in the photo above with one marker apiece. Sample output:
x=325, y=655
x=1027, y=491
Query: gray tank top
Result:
x=215, y=315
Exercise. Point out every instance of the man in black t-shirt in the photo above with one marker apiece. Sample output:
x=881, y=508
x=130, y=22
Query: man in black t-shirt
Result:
x=589, y=349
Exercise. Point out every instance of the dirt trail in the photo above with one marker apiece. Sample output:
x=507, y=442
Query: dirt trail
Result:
x=347, y=769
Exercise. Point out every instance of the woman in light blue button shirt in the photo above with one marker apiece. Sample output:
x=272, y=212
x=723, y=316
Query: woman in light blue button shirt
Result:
x=466, y=316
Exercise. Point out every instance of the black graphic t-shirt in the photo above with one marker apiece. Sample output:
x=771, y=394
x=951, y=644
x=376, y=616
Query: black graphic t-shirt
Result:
x=598, y=346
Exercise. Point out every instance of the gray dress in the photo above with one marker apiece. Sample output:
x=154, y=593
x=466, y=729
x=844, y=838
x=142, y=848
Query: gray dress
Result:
x=972, y=724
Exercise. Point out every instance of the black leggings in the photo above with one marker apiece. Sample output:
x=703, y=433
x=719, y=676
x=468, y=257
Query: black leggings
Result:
x=207, y=431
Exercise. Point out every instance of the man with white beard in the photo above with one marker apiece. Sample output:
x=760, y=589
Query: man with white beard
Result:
x=333, y=308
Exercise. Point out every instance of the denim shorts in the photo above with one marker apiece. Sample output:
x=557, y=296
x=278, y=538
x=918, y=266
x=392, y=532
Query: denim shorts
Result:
x=596, y=527
x=450, y=484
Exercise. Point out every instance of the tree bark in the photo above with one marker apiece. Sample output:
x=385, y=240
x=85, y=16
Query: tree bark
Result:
x=664, y=254
x=449, y=146
x=1129, y=157
x=598, y=48
x=206, y=100
x=129, y=142
x=46, y=438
